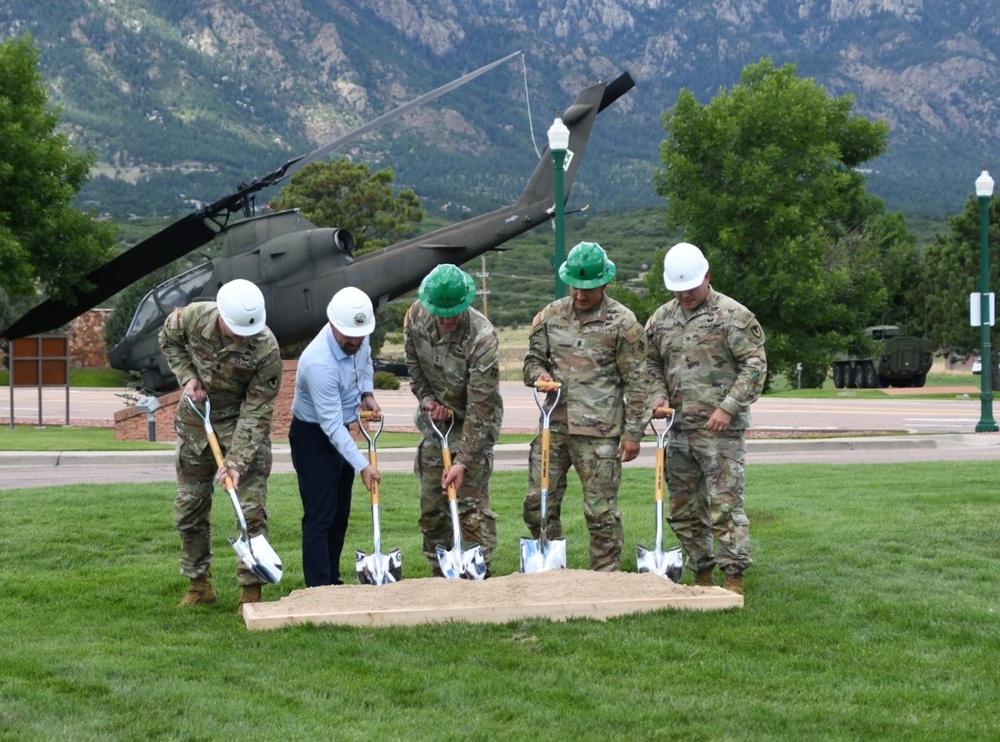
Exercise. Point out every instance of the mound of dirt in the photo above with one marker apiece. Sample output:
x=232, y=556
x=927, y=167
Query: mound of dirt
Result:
x=557, y=595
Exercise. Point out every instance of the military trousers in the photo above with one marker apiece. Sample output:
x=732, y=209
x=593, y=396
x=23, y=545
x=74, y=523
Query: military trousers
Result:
x=706, y=473
x=196, y=470
x=599, y=468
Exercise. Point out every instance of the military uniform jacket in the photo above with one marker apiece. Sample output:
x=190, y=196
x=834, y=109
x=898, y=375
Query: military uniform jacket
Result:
x=241, y=379
x=598, y=361
x=712, y=358
x=460, y=370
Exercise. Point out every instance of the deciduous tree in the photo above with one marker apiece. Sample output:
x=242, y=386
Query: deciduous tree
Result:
x=765, y=179
x=952, y=269
x=45, y=243
x=340, y=193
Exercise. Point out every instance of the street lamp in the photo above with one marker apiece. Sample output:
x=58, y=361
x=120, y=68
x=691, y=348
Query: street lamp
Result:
x=984, y=190
x=558, y=144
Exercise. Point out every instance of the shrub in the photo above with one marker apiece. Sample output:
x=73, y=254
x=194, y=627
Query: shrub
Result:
x=385, y=380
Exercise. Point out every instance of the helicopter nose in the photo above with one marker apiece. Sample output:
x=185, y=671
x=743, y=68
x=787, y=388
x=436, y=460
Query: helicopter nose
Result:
x=118, y=354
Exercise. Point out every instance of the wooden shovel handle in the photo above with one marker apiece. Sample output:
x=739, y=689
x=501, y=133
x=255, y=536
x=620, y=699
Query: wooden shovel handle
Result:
x=546, y=386
x=660, y=472
x=373, y=460
x=213, y=443
x=446, y=456
x=374, y=416
x=546, y=448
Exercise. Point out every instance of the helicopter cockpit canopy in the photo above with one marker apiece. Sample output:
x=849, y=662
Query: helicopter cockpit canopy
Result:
x=175, y=292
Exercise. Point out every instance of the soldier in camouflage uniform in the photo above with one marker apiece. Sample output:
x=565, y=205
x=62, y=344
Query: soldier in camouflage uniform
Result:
x=707, y=362
x=593, y=346
x=224, y=350
x=453, y=359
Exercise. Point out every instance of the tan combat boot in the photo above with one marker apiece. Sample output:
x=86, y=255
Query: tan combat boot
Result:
x=704, y=578
x=199, y=592
x=733, y=583
x=249, y=594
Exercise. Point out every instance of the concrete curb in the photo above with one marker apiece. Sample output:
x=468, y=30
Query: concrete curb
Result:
x=516, y=452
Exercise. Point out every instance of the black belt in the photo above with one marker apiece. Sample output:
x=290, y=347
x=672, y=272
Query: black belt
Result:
x=298, y=419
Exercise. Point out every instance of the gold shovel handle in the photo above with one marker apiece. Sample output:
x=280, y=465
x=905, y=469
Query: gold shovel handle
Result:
x=364, y=417
x=446, y=457
x=213, y=443
x=547, y=386
x=546, y=448
x=661, y=458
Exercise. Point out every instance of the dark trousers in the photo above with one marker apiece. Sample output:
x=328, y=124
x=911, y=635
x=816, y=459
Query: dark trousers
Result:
x=325, y=481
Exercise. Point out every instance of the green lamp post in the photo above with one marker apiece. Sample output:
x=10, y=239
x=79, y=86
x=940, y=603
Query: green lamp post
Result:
x=984, y=190
x=558, y=144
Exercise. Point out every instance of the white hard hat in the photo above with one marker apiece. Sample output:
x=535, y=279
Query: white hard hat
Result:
x=350, y=311
x=241, y=306
x=684, y=267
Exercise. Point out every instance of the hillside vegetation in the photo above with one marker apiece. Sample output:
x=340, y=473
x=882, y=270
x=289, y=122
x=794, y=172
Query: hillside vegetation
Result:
x=182, y=99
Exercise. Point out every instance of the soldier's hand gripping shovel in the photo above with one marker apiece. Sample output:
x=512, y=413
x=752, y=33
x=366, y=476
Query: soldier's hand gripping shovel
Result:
x=455, y=563
x=542, y=554
x=376, y=568
x=669, y=564
x=254, y=552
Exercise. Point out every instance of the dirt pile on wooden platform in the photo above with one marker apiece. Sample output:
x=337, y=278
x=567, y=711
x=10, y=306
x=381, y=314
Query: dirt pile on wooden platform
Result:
x=557, y=595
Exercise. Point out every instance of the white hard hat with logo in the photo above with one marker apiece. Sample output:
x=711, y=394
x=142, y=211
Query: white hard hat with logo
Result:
x=684, y=267
x=241, y=306
x=350, y=311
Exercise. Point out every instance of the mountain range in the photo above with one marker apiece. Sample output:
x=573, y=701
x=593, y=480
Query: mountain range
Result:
x=183, y=99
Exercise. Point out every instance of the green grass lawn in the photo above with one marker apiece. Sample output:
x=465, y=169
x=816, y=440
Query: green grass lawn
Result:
x=85, y=377
x=871, y=613
x=57, y=438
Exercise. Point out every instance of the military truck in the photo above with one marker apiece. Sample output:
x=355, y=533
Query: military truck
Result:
x=901, y=361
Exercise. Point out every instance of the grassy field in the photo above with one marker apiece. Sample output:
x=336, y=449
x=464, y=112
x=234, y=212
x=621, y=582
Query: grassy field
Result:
x=57, y=438
x=871, y=613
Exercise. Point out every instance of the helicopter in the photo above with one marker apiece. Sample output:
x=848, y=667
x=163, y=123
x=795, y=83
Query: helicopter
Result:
x=299, y=266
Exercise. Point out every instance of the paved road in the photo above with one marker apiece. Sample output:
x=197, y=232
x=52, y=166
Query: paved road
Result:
x=939, y=430
x=845, y=413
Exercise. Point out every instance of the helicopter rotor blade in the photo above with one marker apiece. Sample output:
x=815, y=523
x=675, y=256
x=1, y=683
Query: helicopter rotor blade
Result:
x=194, y=230
x=167, y=245
x=294, y=166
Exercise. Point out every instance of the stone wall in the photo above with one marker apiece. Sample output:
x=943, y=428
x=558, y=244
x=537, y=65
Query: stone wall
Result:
x=86, y=340
x=133, y=425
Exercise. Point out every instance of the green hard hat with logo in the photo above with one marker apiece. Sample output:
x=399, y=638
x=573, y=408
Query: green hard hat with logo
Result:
x=587, y=267
x=447, y=291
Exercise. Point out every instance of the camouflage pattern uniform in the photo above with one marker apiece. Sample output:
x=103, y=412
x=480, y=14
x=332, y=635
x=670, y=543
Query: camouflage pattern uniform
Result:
x=598, y=361
x=242, y=380
x=460, y=370
x=712, y=358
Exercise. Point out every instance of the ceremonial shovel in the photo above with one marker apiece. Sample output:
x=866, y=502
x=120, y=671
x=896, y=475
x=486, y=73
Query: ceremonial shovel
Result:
x=254, y=552
x=455, y=563
x=541, y=554
x=671, y=563
x=377, y=568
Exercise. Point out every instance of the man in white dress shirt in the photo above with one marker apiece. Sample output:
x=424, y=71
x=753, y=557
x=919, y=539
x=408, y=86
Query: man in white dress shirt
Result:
x=333, y=381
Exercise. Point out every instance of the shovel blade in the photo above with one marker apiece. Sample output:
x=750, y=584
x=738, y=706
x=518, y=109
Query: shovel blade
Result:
x=667, y=564
x=535, y=558
x=456, y=564
x=378, y=569
x=259, y=557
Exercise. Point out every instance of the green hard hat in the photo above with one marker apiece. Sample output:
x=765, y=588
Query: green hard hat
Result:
x=587, y=267
x=447, y=291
